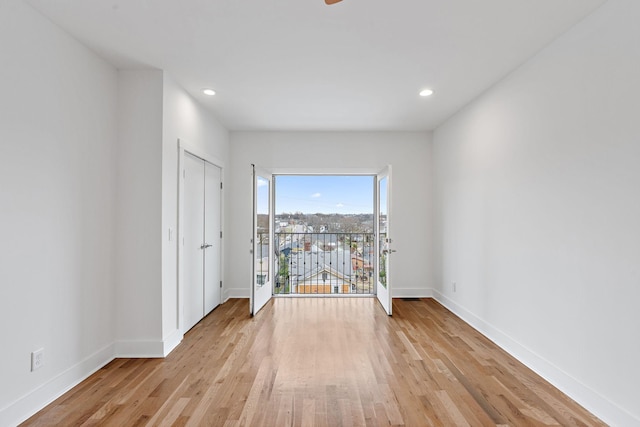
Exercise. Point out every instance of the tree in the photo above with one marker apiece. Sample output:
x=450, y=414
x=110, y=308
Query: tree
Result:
x=283, y=273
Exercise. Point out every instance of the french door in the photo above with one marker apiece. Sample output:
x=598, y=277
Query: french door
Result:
x=383, y=239
x=263, y=262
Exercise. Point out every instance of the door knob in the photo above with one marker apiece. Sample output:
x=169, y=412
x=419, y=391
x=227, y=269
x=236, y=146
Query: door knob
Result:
x=205, y=246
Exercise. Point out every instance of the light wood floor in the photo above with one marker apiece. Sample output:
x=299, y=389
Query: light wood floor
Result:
x=323, y=362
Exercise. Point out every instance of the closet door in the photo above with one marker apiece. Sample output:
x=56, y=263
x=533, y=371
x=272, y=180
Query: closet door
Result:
x=212, y=236
x=194, y=220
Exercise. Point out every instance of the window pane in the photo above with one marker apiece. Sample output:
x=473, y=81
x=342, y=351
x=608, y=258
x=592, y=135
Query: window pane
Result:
x=262, y=231
x=382, y=200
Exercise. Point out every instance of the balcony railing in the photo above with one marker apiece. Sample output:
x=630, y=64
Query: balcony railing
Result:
x=319, y=263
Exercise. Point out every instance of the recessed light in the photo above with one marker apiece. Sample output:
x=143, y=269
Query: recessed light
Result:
x=426, y=92
x=209, y=92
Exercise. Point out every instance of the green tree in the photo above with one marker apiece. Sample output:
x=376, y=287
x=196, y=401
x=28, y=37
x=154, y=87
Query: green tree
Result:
x=283, y=273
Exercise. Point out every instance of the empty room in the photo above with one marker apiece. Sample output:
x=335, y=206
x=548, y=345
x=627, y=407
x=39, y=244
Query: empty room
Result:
x=461, y=246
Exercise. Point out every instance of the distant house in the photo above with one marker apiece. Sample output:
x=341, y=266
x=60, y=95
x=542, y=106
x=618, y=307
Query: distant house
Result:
x=262, y=264
x=321, y=272
x=362, y=267
x=288, y=246
x=262, y=270
x=325, y=280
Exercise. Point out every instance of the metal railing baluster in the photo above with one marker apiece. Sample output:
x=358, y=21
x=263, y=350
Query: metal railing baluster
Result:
x=320, y=263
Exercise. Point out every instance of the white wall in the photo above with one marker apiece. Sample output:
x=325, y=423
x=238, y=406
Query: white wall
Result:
x=88, y=188
x=154, y=113
x=537, y=208
x=57, y=190
x=184, y=119
x=410, y=157
x=139, y=203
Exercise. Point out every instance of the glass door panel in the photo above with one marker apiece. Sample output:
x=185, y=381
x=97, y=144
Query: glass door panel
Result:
x=383, y=240
x=262, y=261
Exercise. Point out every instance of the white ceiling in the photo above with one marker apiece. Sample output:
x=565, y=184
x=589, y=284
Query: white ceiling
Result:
x=302, y=65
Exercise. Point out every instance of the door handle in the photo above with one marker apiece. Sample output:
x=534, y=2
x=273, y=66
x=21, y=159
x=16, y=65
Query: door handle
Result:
x=205, y=246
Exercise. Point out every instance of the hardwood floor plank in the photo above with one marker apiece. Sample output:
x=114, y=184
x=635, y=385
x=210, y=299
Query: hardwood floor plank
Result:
x=321, y=362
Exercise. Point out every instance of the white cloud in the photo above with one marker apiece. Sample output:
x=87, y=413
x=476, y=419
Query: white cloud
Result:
x=316, y=195
x=339, y=205
x=262, y=182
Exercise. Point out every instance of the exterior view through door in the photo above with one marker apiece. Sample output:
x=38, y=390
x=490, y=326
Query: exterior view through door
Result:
x=320, y=235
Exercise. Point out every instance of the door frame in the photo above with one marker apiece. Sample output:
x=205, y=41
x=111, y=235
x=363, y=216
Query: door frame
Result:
x=184, y=146
x=258, y=298
x=375, y=172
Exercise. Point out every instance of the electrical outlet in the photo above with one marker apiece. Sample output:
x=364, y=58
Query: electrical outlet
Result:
x=454, y=286
x=37, y=359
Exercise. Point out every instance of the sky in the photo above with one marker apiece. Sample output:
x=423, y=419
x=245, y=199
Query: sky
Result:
x=324, y=194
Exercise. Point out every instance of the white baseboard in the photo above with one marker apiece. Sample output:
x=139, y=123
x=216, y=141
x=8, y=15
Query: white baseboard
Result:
x=139, y=349
x=411, y=293
x=171, y=342
x=26, y=406
x=595, y=403
x=236, y=293
x=29, y=404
